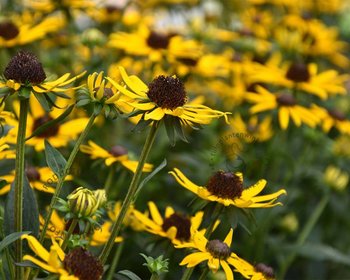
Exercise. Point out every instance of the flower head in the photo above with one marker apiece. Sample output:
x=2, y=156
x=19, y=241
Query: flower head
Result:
x=24, y=73
x=218, y=254
x=82, y=202
x=164, y=96
x=174, y=226
x=227, y=188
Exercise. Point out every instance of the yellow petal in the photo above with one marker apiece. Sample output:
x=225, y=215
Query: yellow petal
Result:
x=228, y=238
x=227, y=269
x=155, y=213
x=254, y=189
x=195, y=258
x=157, y=114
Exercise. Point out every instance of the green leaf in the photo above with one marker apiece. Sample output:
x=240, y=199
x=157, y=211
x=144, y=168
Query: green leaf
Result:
x=48, y=124
x=179, y=130
x=126, y=275
x=322, y=252
x=83, y=102
x=42, y=100
x=150, y=176
x=141, y=125
x=11, y=238
x=170, y=129
x=30, y=210
x=54, y=159
x=24, y=92
x=98, y=108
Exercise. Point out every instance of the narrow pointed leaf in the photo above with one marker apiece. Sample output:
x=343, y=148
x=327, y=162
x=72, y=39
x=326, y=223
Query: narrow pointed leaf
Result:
x=54, y=159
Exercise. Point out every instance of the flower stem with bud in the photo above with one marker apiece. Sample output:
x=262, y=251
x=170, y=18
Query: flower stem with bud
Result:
x=69, y=233
x=131, y=192
x=66, y=171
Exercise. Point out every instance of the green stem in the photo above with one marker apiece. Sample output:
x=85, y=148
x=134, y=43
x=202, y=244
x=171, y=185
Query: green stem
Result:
x=204, y=273
x=66, y=172
x=2, y=270
x=310, y=224
x=115, y=261
x=215, y=215
x=109, y=180
x=131, y=192
x=19, y=181
x=69, y=233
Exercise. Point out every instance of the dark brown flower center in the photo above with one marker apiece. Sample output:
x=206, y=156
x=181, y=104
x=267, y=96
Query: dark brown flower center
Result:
x=111, y=9
x=157, y=40
x=188, y=61
x=83, y=264
x=264, y=269
x=337, y=115
x=286, y=100
x=245, y=31
x=24, y=68
x=225, y=185
x=50, y=131
x=218, y=249
x=167, y=92
x=182, y=224
x=298, y=72
x=8, y=30
x=118, y=151
x=107, y=92
x=32, y=173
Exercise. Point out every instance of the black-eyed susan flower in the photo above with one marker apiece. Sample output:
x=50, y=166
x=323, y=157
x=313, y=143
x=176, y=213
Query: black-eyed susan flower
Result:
x=154, y=45
x=164, y=96
x=227, y=188
x=330, y=118
x=117, y=154
x=56, y=226
x=299, y=75
x=59, y=134
x=257, y=130
x=218, y=254
x=285, y=103
x=41, y=179
x=14, y=32
x=77, y=264
x=174, y=226
x=25, y=74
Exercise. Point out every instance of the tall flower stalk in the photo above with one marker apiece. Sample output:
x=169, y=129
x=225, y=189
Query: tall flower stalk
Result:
x=66, y=170
x=131, y=192
x=19, y=180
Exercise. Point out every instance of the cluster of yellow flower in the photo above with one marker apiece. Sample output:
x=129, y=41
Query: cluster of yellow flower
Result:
x=268, y=63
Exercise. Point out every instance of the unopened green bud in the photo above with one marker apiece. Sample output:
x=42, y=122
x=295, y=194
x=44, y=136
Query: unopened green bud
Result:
x=93, y=37
x=82, y=202
x=101, y=197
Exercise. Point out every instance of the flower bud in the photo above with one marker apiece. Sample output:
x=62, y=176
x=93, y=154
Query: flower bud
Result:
x=82, y=202
x=101, y=197
x=93, y=37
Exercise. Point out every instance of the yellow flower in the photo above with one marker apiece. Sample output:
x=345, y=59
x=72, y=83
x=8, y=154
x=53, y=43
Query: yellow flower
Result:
x=13, y=32
x=77, y=264
x=218, y=254
x=331, y=118
x=286, y=105
x=48, y=6
x=101, y=235
x=259, y=131
x=227, y=188
x=59, y=134
x=56, y=226
x=115, y=154
x=154, y=45
x=25, y=74
x=301, y=76
x=42, y=179
x=50, y=261
x=174, y=226
x=164, y=96
x=336, y=178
